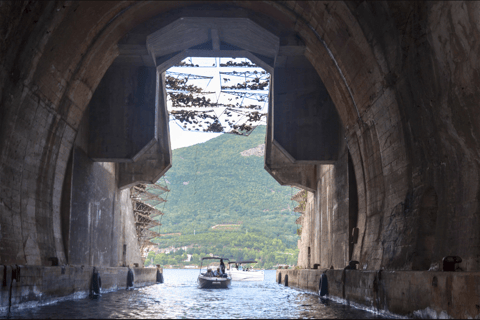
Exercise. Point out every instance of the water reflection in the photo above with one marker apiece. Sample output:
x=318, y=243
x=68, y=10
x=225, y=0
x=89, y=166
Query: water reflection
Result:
x=179, y=297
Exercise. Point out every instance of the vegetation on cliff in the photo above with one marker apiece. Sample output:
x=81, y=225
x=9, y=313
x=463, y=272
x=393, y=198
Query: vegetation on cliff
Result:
x=225, y=203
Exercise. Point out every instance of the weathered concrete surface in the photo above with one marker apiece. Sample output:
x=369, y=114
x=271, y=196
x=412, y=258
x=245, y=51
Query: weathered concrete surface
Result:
x=330, y=216
x=306, y=126
x=407, y=293
x=30, y=286
x=170, y=42
x=157, y=157
x=280, y=166
x=92, y=211
x=101, y=217
x=122, y=114
x=98, y=224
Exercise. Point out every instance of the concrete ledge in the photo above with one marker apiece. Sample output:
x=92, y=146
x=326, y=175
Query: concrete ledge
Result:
x=29, y=286
x=422, y=294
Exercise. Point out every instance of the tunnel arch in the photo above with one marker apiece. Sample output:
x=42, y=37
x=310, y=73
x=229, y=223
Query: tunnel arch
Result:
x=61, y=51
x=77, y=63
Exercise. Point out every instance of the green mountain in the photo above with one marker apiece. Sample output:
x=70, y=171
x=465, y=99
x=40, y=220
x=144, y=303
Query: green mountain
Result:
x=225, y=203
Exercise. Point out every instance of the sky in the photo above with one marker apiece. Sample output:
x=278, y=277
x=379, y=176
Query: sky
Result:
x=180, y=138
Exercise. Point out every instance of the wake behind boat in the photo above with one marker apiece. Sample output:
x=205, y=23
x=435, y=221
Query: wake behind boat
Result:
x=214, y=277
x=240, y=273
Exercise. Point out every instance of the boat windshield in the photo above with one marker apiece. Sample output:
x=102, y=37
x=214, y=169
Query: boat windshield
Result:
x=211, y=264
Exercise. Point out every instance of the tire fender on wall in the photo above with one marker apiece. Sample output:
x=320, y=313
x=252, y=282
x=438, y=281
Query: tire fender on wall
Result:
x=96, y=283
x=323, y=285
x=159, y=277
x=130, y=278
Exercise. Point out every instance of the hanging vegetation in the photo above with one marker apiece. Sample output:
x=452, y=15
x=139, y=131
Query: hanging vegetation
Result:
x=238, y=64
x=232, y=112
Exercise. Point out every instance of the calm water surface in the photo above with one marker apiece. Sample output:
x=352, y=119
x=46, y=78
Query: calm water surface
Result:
x=179, y=297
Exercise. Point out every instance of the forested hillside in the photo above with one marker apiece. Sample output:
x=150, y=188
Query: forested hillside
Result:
x=213, y=185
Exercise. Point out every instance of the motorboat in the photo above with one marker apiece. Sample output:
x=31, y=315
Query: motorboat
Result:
x=210, y=278
x=238, y=272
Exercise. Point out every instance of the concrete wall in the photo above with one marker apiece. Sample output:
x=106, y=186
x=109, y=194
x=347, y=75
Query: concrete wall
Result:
x=419, y=294
x=101, y=223
x=329, y=217
x=30, y=286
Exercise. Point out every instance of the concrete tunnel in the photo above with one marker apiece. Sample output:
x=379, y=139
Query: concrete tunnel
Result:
x=373, y=109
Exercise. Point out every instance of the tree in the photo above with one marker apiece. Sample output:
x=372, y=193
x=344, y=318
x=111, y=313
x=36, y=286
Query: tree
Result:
x=159, y=259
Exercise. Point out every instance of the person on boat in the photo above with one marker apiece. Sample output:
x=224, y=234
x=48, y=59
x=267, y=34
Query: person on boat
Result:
x=209, y=273
x=222, y=267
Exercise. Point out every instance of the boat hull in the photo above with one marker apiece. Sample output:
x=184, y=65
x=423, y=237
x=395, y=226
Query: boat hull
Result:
x=246, y=275
x=213, y=282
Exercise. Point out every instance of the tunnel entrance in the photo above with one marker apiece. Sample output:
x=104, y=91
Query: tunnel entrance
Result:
x=116, y=128
x=262, y=76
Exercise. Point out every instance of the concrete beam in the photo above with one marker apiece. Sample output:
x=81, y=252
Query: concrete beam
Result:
x=128, y=123
x=122, y=114
x=189, y=32
x=155, y=161
x=306, y=126
x=165, y=62
x=281, y=167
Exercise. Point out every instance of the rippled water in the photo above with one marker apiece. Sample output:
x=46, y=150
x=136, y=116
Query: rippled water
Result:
x=179, y=297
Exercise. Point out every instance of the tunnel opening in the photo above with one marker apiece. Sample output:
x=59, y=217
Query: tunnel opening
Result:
x=206, y=75
x=115, y=128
